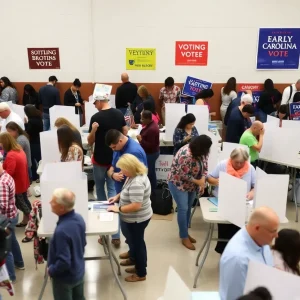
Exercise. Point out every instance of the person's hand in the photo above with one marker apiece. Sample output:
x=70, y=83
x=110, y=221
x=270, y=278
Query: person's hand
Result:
x=77, y=104
x=113, y=208
x=262, y=132
x=135, y=126
x=118, y=176
x=250, y=195
x=139, y=137
x=113, y=199
x=187, y=138
x=213, y=114
x=202, y=183
x=95, y=126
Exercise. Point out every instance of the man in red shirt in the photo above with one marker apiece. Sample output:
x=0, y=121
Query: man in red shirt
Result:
x=8, y=208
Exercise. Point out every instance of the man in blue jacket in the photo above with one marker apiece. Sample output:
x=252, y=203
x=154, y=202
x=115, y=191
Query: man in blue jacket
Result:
x=66, y=264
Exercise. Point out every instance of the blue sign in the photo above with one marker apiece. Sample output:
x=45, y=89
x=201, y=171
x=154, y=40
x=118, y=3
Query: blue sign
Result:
x=193, y=86
x=255, y=96
x=295, y=111
x=278, y=48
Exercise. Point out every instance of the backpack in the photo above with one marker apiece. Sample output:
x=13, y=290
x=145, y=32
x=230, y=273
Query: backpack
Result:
x=161, y=200
x=5, y=237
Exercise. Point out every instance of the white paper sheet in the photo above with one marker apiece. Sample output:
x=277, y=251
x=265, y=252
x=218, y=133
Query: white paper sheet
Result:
x=232, y=199
x=106, y=217
x=281, y=285
x=174, y=112
x=201, y=113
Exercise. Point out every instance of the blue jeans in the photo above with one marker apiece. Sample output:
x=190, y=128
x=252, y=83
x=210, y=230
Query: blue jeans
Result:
x=135, y=238
x=100, y=177
x=184, y=201
x=15, y=256
x=46, y=121
x=151, y=159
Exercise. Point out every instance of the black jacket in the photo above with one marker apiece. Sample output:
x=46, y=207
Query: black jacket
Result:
x=70, y=100
x=31, y=99
x=268, y=100
x=126, y=93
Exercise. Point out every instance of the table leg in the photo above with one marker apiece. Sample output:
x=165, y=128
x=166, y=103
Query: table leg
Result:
x=205, y=255
x=294, y=172
x=44, y=283
x=203, y=245
x=192, y=214
x=113, y=255
x=112, y=267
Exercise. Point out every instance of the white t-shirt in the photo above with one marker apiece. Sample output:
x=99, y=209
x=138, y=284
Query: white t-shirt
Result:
x=226, y=99
x=279, y=263
x=13, y=117
x=286, y=94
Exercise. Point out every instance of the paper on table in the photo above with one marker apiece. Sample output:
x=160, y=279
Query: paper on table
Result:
x=106, y=216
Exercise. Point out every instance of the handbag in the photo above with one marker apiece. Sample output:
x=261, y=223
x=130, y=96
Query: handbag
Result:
x=161, y=200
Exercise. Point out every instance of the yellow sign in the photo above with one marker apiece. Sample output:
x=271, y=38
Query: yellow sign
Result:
x=140, y=58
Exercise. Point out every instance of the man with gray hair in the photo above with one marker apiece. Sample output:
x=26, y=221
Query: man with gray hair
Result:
x=289, y=92
x=9, y=116
x=251, y=243
x=66, y=264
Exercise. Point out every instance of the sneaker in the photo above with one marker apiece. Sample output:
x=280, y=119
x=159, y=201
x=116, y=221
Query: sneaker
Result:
x=19, y=267
x=134, y=278
x=130, y=270
x=127, y=262
x=124, y=255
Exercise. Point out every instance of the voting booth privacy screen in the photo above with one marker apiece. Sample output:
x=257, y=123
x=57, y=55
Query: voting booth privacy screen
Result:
x=67, y=112
x=53, y=177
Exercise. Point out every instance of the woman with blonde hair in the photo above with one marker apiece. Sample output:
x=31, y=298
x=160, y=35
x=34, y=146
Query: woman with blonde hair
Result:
x=63, y=121
x=135, y=212
x=15, y=164
x=143, y=96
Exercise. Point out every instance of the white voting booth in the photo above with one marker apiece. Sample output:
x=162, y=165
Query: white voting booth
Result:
x=177, y=289
x=201, y=113
x=54, y=176
x=271, y=191
x=213, y=153
x=228, y=148
x=281, y=285
x=232, y=204
x=67, y=112
x=49, y=147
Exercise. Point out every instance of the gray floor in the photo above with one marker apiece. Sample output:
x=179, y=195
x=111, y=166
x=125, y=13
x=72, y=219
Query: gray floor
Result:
x=164, y=250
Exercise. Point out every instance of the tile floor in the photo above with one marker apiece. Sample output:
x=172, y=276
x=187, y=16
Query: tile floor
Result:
x=164, y=250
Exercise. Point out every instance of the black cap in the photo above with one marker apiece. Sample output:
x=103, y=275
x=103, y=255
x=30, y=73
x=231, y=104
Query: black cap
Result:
x=52, y=78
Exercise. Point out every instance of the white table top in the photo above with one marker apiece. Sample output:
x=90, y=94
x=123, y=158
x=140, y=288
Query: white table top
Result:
x=94, y=225
x=208, y=216
x=297, y=166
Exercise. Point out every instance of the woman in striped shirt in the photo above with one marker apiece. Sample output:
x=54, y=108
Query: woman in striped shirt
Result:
x=135, y=212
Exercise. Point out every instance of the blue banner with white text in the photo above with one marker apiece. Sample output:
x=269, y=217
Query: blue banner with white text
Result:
x=295, y=111
x=193, y=86
x=278, y=48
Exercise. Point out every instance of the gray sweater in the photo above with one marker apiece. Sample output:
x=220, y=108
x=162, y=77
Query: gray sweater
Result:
x=9, y=94
x=23, y=141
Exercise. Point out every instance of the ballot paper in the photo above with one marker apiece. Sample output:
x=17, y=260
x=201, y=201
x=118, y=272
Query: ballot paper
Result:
x=106, y=216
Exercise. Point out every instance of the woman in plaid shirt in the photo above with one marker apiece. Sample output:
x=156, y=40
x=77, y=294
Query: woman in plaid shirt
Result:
x=8, y=208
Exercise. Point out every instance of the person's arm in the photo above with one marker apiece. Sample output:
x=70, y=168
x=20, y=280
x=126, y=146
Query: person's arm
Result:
x=213, y=177
x=178, y=138
x=232, y=95
x=258, y=146
x=125, y=130
x=63, y=260
x=232, y=278
x=10, y=164
x=285, y=95
x=92, y=132
x=5, y=197
x=115, y=176
x=68, y=101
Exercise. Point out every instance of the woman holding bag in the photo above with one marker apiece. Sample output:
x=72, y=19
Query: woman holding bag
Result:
x=186, y=178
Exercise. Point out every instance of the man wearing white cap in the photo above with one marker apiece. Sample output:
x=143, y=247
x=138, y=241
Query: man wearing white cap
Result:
x=9, y=116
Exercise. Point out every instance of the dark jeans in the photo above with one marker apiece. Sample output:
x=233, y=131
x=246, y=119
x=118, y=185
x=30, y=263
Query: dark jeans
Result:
x=151, y=159
x=135, y=238
x=254, y=163
x=126, y=234
x=46, y=121
x=226, y=232
x=64, y=291
x=35, y=159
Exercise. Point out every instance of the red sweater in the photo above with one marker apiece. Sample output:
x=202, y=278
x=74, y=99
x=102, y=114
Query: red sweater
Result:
x=15, y=164
x=150, y=138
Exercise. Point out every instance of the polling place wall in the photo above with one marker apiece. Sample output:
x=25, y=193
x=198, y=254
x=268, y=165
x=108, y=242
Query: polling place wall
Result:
x=92, y=37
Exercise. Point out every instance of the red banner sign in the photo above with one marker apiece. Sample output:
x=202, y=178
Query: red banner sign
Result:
x=43, y=58
x=191, y=53
x=254, y=87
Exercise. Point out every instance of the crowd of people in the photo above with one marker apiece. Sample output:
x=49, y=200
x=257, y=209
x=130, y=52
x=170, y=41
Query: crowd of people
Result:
x=124, y=174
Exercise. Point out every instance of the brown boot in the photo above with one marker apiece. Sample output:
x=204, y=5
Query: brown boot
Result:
x=187, y=243
x=127, y=262
x=124, y=255
x=192, y=240
x=130, y=270
x=134, y=278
